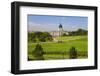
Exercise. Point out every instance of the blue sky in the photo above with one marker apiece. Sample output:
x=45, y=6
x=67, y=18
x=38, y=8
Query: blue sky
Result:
x=51, y=23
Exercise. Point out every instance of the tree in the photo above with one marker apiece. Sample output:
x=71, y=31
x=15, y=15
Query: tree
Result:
x=38, y=52
x=31, y=37
x=64, y=34
x=39, y=37
x=73, y=53
x=82, y=32
x=78, y=32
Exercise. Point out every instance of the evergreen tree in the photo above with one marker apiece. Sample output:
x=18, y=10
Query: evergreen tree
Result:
x=38, y=52
x=73, y=53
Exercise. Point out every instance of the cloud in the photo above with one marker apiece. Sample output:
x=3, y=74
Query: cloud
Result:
x=73, y=28
x=32, y=26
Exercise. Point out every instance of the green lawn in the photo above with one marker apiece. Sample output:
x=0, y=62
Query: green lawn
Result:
x=79, y=42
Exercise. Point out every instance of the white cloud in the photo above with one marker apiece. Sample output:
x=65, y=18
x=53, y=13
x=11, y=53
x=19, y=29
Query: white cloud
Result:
x=32, y=26
x=41, y=27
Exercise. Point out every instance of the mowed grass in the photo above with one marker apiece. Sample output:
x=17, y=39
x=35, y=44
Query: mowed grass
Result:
x=79, y=42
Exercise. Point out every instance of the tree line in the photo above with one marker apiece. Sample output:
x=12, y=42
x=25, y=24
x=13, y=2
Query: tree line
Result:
x=76, y=33
x=39, y=37
x=45, y=36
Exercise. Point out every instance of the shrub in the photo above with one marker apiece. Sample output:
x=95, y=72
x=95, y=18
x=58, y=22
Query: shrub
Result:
x=60, y=41
x=73, y=53
x=38, y=52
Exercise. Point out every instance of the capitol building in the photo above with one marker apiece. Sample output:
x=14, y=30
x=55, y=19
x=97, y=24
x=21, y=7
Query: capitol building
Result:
x=59, y=33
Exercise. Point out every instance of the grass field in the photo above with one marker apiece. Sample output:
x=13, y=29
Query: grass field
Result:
x=79, y=42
